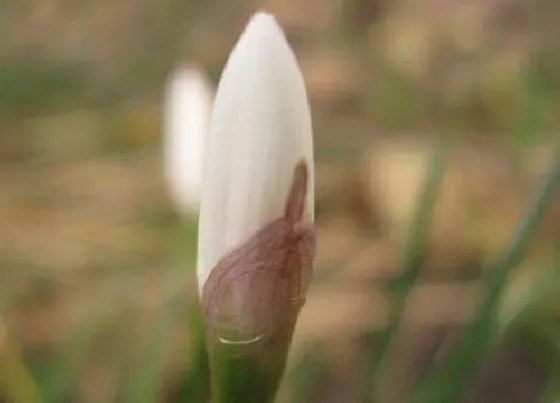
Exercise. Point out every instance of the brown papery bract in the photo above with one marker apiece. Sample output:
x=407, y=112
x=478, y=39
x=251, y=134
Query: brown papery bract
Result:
x=257, y=290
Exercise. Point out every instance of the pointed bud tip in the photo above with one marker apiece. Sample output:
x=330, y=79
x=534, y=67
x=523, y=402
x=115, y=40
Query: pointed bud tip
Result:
x=263, y=27
x=262, y=22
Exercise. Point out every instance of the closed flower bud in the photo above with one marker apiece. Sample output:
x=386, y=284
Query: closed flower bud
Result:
x=188, y=102
x=256, y=238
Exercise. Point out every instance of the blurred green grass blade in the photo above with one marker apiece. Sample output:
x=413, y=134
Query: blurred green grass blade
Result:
x=145, y=374
x=544, y=289
x=16, y=382
x=58, y=376
x=552, y=392
x=557, y=252
x=143, y=382
x=304, y=375
x=412, y=259
x=446, y=385
x=530, y=122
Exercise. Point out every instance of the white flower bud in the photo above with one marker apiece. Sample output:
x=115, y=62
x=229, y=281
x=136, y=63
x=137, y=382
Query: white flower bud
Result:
x=260, y=130
x=256, y=239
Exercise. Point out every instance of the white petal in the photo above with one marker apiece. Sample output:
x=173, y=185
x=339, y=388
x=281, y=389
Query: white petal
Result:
x=259, y=130
x=187, y=114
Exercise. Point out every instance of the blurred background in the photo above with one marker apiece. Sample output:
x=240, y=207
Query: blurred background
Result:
x=97, y=295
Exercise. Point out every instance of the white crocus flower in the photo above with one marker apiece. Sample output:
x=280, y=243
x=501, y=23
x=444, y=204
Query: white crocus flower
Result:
x=188, y=103
x=256, y=239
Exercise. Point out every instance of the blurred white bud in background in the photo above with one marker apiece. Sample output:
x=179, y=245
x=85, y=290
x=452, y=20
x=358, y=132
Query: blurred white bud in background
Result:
x=188, y=104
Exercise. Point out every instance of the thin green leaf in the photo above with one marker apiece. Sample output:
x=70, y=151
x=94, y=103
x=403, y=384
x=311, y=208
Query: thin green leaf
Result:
x=412, y=259
x=446, y=385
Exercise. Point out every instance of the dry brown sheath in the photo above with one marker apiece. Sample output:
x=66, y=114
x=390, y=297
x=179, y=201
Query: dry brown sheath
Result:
x=256, y=291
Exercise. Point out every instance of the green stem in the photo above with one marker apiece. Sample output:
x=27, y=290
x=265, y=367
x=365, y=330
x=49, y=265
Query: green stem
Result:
x=194, y=382
x=305, y=375
x=413, y=256
x=448, y=383
x=247, y=372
